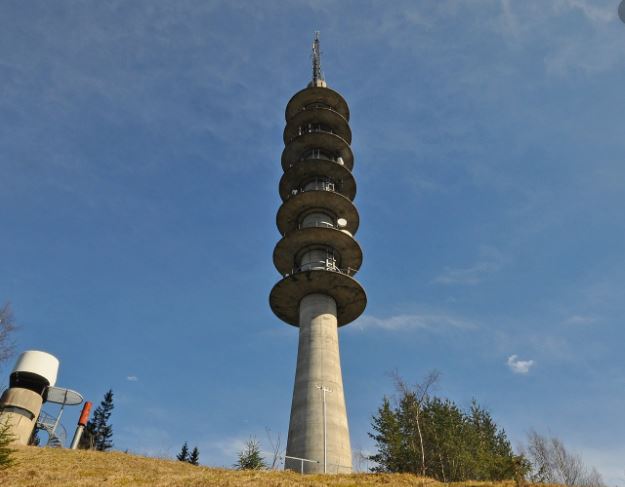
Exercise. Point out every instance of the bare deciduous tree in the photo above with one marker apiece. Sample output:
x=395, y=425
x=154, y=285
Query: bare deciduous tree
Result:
x=552, y=463
x=361, y=458
x=275, y=449
x=7, y=326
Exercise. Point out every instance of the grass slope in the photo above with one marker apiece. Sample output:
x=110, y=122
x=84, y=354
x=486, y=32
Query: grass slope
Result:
x=51, y=467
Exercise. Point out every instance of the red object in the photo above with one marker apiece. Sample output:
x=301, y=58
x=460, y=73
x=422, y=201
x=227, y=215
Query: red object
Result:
x=84, y=416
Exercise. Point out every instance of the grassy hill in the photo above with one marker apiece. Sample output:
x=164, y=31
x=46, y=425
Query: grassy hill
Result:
x=64, y=468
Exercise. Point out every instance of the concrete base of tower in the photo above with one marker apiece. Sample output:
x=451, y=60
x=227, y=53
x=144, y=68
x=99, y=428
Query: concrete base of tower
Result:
x=318, y=433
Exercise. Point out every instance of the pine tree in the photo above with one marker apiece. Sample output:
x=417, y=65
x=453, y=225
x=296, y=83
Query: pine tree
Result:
x=183, y=456
x=445, y=433
x=388, y=439
x=98, y=432
x=493, y=450
x=6, y=459
x=194, y=458
x=249, y=457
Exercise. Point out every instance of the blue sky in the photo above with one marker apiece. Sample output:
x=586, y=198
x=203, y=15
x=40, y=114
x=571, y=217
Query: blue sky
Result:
x=139, y=152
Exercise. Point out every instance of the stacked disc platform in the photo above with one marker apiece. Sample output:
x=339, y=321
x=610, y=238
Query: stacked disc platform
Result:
x=317, y=219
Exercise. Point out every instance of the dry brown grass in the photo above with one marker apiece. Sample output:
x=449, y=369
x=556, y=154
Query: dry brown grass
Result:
x=43, y=467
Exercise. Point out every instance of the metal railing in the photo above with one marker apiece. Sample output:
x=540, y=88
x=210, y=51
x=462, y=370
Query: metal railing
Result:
x=56, y=431
x=316, y=106
x=319, y=156
x=320, y=185
x=317, y=224
x=324, y=224
x=333, y=467
x=301, y=460
x=322, y=265
x=319, y=153
x=303, y=130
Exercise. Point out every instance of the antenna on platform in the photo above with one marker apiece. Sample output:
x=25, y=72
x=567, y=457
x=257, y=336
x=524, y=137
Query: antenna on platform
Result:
x=317, y=76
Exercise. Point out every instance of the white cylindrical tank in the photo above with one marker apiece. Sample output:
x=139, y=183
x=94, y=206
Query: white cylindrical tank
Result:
x=21, y=403
x=39, y=363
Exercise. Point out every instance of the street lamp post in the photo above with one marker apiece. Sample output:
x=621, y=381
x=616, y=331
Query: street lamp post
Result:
x=325, y=441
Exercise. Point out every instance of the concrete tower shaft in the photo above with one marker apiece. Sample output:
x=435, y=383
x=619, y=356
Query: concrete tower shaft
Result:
x=318, y=257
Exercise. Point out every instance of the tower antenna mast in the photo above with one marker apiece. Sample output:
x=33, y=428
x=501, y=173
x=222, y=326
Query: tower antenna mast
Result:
x=316, y=60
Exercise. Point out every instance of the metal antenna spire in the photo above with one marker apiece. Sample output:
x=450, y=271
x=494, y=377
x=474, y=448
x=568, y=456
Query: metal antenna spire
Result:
x=316, y=60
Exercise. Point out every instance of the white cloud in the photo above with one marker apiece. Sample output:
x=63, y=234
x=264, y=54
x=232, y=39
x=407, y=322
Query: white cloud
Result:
x=132, y=378
x=580, y=320
x=594, y=53
x=414, y=321
x=593, y=13
x=519, y=366
x=594, y=49
x=490, y=262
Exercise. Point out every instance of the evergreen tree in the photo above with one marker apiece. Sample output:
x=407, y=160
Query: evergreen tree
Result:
x=493, y=451
x=6, y=452
x=249, y=457
x=98, y=432
x=445, y=434
x=388, y=438
x=86, y=439
x=183, y=456
x=194, y=458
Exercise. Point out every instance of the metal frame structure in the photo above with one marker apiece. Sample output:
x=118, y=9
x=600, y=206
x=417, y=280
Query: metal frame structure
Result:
x=57, y=435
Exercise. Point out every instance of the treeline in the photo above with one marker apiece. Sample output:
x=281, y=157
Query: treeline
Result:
x=434, y=437
x=431, y=436
x=192, y=457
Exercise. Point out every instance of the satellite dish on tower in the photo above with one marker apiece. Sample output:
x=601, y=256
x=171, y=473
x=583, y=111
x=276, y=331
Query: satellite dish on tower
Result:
x=621, y=10
x=341, y=222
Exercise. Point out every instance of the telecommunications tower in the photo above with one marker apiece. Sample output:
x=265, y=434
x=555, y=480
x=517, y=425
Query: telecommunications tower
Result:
x=318, y=257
